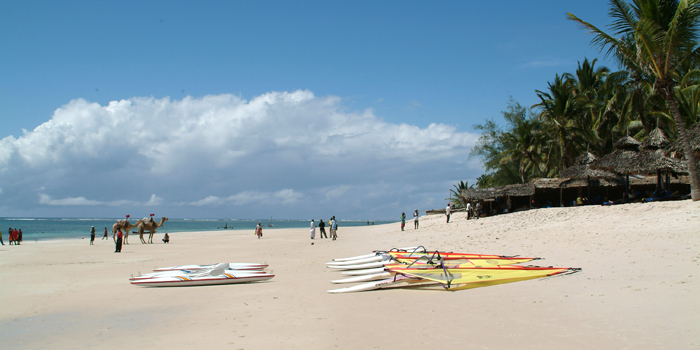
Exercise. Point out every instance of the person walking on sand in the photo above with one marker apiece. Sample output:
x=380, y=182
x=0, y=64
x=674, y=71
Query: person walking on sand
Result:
x=120, y=235
x=415, y=219
x=322, y=229
x=92, y=235
x=447, y=211
x=105, y=236
x=313, y=229
x=258, y=230
x=403, y=220
x=19, y=237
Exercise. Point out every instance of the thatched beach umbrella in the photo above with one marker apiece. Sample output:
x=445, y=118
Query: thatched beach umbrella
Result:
x=652, y=155
x=618, y=161
x=627, y=159
x=582, y=170
x=656, y=140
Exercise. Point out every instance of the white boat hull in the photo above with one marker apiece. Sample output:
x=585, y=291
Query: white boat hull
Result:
x=363, y=272
x=408, y=249
x=364, y=278
x=196, y=273
x=356, y=262
x=360, y=266
x=179, y=281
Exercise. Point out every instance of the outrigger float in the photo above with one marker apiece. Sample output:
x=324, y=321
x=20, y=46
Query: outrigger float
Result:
x=215, y=274
x=452, y=271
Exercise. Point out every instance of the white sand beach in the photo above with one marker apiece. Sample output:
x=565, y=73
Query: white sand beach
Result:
x=639, y=288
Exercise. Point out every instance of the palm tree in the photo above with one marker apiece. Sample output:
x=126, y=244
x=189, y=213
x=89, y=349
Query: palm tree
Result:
x=524, y=148
x=559, y=111
x=688, y=95
x=655, y=37
x=456, y=194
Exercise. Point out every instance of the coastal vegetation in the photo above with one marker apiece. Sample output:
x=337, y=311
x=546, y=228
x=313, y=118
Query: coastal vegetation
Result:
x=654, y=42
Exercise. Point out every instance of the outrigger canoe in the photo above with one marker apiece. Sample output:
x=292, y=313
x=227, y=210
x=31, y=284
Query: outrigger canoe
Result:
x=192, y=273
x=204, y=280
x=231, y=266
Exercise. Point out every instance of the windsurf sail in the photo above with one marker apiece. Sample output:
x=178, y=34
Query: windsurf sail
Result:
x=465, y=277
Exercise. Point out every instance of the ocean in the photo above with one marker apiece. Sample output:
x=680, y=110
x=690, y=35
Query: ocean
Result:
x=39, y=229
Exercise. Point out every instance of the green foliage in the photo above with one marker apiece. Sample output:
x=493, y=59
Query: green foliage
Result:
x=510, y=155
x=456, y=194
x=655, y=41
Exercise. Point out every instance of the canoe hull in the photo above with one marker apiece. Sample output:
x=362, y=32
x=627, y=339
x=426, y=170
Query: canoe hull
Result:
x=201, y=281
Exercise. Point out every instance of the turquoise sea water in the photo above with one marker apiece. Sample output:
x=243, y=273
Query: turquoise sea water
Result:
x=34, y=229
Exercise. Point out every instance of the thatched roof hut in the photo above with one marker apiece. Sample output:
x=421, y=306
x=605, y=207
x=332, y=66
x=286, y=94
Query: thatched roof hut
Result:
x=656, y=140
x=618, y=161
x=643, y=162
x=582, y=169
x=491, y=193
x=628, y=159
x=561, y=183
x=628, y=143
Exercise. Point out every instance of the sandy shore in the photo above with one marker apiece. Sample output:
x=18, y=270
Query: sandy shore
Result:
x=639, y=288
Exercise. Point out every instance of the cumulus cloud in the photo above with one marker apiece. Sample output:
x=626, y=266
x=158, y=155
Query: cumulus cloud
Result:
x=281, y=149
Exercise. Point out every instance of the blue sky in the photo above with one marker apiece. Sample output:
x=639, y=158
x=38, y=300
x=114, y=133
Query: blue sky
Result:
x=243, y=106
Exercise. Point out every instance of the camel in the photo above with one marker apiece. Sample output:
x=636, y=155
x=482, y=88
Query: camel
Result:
x=148, y=224
x=125, y=226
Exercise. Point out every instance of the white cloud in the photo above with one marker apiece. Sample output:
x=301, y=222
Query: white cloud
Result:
x=154, y=201
x=277, y=149
x=336, y=193
x=47, y=200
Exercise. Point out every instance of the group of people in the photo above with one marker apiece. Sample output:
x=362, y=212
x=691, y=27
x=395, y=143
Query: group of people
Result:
x=15, y=236
x=415, y=220
x=322, y=228
x=92, y=235
x=473, y=211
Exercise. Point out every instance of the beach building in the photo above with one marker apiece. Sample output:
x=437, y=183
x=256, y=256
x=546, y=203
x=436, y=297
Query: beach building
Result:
x=564, y=192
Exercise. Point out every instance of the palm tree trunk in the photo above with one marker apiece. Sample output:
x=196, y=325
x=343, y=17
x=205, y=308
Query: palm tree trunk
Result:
x=687, y=149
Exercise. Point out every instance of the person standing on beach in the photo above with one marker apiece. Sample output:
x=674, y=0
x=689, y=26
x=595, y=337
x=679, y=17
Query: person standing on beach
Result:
x=19, y=237
x=447, y=211
x=120, y=235
x=334, y=228
x=92, y=235
x=415, y=219
x=313, y=229
x=3, y=243
x=105, y=236
x=258, y=230
x=322, y=229
x=403, y=220
x=468, y=208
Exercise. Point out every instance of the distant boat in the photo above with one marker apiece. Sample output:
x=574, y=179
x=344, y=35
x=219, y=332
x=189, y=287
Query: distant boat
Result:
x=270, y=224
x=226, y=226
